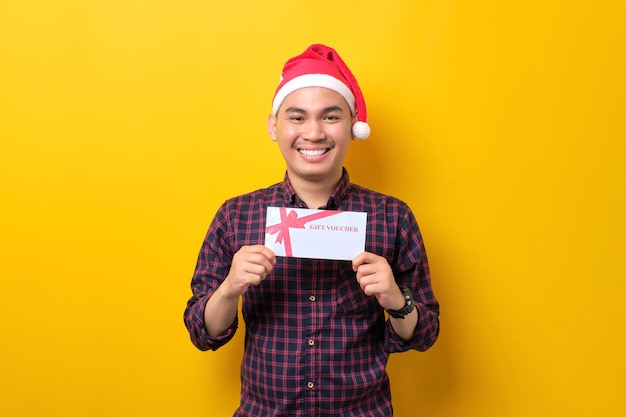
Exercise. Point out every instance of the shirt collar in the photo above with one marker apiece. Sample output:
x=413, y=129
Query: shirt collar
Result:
x=292, y=199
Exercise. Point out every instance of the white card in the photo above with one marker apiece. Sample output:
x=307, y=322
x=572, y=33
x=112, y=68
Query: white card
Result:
x=320, y=234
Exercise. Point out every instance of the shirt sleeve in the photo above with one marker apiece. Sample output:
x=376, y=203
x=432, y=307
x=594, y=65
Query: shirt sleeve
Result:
x=411, y=270
x=212, y=267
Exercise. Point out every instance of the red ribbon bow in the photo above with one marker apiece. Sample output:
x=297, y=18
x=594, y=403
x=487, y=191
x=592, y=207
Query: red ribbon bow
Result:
x=292, y=221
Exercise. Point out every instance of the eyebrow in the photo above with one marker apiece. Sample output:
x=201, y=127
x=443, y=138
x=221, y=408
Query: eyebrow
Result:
x=330, y=109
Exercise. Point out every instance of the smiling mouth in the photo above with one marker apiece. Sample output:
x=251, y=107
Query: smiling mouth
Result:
x=313, y=152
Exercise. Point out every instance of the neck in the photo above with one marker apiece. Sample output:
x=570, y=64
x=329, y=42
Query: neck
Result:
x=314, y=193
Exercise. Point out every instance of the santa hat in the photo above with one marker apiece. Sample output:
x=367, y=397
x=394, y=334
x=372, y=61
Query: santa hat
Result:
x=321, y=66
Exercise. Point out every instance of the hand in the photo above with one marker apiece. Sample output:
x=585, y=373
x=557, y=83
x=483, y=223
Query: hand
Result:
x=250, y=266
x=374, y=275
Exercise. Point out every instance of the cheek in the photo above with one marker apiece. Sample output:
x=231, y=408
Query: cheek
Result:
x=285, y=145
x=343, y=134
x=284, y=148
x=343, y=130
x=286, y=132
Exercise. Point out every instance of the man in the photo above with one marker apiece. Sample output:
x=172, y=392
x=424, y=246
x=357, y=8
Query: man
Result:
x=317, y=336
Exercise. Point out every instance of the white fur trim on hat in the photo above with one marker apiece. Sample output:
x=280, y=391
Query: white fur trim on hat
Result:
x=313, y=80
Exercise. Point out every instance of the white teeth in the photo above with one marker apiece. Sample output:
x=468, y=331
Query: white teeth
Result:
x=312, y=152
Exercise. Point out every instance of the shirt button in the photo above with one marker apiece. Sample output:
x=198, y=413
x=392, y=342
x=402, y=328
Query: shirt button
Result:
x=311, y=342
x=312, y=298
x=310, y=385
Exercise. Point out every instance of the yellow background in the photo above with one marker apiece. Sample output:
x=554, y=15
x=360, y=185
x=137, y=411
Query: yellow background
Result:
x=124, y=125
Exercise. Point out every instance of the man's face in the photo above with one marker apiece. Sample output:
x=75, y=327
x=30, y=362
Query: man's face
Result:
x=313, y=129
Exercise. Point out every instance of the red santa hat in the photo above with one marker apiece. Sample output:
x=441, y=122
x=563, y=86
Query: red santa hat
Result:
x=321, y=66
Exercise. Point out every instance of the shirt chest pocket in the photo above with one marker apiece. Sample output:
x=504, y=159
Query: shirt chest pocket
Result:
x=351, y=300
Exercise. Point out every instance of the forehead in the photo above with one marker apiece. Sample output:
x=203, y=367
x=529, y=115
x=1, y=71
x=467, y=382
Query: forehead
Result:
x=312, y=98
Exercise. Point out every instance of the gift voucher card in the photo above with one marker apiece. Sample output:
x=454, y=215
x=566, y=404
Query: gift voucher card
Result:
x=321, y=234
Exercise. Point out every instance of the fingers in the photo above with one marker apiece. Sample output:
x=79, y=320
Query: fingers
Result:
x=363, y=258
x=259, y=259
x=266, y=252
x=370, y=283
x=250, y=266
x=367, y=263
x=373, y=273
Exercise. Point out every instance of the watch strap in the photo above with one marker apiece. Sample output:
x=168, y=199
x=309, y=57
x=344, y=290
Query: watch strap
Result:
x=409, y=305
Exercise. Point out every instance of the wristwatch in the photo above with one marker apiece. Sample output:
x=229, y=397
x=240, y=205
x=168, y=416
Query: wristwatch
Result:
x=408, y=306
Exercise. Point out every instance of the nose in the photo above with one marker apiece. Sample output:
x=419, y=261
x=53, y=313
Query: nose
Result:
x=313, y=130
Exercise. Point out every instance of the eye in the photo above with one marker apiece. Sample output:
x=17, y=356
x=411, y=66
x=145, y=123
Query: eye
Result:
x=296, y=118
x=331, y=117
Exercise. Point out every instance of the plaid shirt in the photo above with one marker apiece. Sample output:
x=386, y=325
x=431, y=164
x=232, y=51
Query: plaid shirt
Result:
x=315, y=344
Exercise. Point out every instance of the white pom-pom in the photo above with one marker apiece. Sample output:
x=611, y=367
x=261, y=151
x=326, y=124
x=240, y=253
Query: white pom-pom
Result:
x=360, y=130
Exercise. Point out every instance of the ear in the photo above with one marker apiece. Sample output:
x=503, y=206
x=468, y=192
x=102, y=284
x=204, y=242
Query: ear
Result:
x=271, y=126
x=355, y=118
